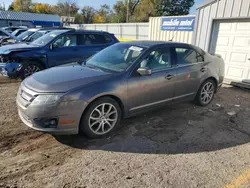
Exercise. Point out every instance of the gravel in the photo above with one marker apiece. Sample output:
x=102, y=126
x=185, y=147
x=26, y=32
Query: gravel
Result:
x=182, y=145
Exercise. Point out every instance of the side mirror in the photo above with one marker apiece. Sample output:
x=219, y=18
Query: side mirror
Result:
x=144, y=71
x=53, y=46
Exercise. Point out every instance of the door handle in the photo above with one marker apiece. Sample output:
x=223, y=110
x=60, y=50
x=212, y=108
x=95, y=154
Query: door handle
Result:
x=203, y=69
x=169, y=76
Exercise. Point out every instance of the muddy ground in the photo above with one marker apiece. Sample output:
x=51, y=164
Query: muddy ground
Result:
x=178, y=146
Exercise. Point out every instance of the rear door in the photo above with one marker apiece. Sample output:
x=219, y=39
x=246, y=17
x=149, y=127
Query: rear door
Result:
x=90, y=44
x=190, y=69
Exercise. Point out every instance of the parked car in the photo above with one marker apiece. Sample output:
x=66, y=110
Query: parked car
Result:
x=120, y=81
x=53, y=49
x=10, y=29
x=27, y=36
x=22, y=37
x=6, y=36
x=18, y=31
x=11, y=39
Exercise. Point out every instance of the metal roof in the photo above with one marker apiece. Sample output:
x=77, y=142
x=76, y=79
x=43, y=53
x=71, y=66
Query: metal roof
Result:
x=208, y=2
x=26, y=16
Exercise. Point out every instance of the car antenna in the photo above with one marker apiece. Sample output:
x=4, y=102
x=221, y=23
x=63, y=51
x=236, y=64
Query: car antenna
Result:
x=173, y=36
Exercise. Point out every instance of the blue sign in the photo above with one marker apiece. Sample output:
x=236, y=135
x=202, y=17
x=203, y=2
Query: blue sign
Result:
x=178, y=23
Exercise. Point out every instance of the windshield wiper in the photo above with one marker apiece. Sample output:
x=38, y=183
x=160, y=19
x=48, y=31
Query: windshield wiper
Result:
x=93, y=67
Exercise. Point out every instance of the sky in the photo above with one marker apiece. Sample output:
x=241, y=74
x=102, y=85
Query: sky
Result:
x=94, y=3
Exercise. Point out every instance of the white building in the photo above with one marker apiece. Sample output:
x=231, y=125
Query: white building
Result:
x=223, y=27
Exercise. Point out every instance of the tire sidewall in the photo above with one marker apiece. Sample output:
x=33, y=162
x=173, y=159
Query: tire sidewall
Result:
x=84, y=127
x=198, y=97
x=25, y=65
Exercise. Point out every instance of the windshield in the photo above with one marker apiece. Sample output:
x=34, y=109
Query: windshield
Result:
x=45, y=39
x=117, y=57
x=24, y=35
x=35, y=36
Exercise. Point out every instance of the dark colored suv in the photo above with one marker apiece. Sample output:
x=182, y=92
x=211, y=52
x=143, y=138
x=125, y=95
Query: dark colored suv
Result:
x=56, y=48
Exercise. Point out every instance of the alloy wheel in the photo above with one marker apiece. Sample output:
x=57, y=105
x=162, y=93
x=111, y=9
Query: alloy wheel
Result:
x=31, y=69
x=207, y=93
x=103, y=118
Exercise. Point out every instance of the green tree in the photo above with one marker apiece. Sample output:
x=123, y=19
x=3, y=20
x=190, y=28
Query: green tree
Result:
x=11, y=7
x=66, y=8
x=21, y=6
x=120, y=10
x=79, y=18
x=145, y=9
x=103, y=14
x=42, y=8
x=174, y=7
x=88, y=14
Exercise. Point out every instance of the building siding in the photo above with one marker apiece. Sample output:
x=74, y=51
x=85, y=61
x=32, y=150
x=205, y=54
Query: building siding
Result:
x=220, y=9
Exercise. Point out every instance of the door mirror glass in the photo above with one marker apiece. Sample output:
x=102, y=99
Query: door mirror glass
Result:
x=144, y=71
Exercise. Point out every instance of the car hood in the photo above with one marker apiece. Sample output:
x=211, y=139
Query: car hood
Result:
x=63, y=79
x=16, y=47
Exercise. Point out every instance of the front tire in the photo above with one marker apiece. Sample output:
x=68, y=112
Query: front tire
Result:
x=30, y=68
x=101, y=118
x=206, y=93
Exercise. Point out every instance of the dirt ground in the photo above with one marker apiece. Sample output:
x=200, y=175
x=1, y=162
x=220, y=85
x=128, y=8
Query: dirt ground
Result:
x=178, y=146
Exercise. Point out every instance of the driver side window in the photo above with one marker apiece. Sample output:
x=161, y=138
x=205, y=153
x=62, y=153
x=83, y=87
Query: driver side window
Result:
x=65, y=41
x=159, y=59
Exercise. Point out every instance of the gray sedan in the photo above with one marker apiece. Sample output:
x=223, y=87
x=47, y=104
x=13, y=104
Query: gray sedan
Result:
x=120, y=81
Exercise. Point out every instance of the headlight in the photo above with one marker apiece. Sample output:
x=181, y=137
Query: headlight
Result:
x=46, y=99
x=6, y=52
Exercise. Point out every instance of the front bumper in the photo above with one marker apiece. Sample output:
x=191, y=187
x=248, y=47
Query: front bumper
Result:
x=10, y=69
x=68, y=115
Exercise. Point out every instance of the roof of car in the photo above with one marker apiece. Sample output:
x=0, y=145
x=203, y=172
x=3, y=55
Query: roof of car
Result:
x=89, y=31
x=148, y=44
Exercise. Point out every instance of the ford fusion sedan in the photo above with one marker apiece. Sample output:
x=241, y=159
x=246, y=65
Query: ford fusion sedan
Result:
x=120, y=81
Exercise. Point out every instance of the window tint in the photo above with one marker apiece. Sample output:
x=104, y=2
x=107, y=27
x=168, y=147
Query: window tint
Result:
x=2, y=33
x=88, y=39
x=65, y=41
x=187, y=56
x=158, y=59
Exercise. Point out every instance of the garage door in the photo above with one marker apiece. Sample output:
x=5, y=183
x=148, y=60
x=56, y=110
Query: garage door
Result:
x=232, y=41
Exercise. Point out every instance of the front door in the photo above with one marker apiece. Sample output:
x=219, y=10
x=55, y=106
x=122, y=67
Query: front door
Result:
x=155, y=89
x=64, y=51
x=190, y=69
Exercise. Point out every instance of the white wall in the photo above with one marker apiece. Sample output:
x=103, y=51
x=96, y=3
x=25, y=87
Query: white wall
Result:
x=138, y=31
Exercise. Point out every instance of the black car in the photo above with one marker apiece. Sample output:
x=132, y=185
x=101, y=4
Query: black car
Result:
x=56, y=48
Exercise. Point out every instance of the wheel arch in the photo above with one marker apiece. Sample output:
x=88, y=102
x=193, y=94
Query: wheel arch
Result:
x=215, y=81
x=117, y=99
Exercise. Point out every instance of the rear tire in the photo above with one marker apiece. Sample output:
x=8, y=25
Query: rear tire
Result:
x=205, y=93
x=29, y=68
x=101, y=118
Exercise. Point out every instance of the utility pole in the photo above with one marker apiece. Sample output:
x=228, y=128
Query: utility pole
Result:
x=127, y=18
x=21, y=5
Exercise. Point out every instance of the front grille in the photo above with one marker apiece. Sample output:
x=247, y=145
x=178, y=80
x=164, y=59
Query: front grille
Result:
x=25, y=96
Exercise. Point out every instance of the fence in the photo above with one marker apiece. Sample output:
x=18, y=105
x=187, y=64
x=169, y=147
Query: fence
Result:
x=138, y=31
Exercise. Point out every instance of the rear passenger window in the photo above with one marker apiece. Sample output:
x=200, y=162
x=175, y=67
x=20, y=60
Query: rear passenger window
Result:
x=187, y=56
x=88, y=39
